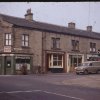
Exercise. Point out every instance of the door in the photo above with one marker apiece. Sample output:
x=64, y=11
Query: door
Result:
x=0, y=64
x=7, y=65
x=75, y=60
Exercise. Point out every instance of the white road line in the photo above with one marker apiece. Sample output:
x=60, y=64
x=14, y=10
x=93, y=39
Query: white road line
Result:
x=63, y=95
x=20, y=91
x=75, y=98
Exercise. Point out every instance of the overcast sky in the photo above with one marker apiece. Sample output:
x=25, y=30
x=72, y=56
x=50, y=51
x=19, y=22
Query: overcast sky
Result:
x=59, y=13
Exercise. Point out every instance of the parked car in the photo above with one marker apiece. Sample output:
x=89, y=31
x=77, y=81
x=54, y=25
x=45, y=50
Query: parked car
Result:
x=88, y=67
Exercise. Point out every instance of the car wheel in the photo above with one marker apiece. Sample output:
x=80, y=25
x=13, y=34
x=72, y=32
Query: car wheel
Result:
x=85, y=72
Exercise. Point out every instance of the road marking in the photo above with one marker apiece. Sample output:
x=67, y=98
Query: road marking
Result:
x=63, y=95
x=75, y=98
x=20, y=91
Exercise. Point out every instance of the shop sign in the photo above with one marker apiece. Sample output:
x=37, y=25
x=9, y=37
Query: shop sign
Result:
x=7, y=48
x=22, y=57
x=88, y=56
x=17, y=48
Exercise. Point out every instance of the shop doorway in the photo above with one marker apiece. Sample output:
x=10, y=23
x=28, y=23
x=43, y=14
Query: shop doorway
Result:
x=75, y=60
x=7, y=65
x=0, y=64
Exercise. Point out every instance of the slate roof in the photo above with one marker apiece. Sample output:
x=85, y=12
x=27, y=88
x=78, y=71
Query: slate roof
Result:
x=22, y=22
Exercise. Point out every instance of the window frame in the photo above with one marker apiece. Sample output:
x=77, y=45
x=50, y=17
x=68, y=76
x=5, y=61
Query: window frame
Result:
x=92, y=47
x=25, y=40
x=75, y=45
x=56, y=61
x=55, y=43
x=8, y=39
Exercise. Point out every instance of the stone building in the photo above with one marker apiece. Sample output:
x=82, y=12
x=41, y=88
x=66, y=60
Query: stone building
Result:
x=54, y=48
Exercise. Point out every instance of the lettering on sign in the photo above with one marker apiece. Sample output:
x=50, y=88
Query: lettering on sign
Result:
x=7, y=48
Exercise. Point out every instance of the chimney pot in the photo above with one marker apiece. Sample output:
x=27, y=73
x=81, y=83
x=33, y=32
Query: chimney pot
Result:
x=29, y=15
x=71, y=25
x=89, y=28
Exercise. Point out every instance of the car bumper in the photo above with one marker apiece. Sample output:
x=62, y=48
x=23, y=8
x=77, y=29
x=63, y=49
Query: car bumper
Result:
x=79, y=71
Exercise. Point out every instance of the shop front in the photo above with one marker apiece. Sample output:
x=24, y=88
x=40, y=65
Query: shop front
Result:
x=12, y=63
x=21, y=61
x=93, y=57
x=0, y=64
x=55, y=62
x=74, y=60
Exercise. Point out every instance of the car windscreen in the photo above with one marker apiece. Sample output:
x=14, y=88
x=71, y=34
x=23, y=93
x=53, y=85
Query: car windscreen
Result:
x=86, y=64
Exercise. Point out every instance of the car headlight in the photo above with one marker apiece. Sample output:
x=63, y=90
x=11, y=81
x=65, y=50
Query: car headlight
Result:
x=76, y=67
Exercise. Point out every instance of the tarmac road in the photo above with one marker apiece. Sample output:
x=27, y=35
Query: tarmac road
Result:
x=47, y=87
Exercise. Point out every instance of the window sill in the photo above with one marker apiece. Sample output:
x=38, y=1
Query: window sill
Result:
x=26, y=47
x=55, y=48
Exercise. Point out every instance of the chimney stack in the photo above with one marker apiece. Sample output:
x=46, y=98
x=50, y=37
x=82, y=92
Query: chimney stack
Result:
x=29, y=15
x=71, y=25
x=89, y=28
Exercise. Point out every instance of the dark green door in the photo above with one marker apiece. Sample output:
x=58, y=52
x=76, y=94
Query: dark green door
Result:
x=7, y=65
x=0, y=64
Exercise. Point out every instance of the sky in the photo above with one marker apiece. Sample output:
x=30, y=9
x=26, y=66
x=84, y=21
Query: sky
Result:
x=83, y=14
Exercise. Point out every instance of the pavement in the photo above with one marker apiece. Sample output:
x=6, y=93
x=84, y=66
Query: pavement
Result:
x=92, y=81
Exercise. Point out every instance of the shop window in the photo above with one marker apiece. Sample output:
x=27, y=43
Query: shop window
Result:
x=25, y=40
x=74, y=61
x=8, y=39
x=22, y=60
x=75, y=45
x=56, y=43
x=56, y=60
x=92, y=47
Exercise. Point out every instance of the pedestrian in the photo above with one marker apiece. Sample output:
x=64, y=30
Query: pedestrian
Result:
x=39, y=69
x=24, y=69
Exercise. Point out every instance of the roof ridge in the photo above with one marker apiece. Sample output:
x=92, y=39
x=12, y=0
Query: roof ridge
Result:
x=76, y=29
x=10, y=16
x=51, y=24
x=49, y=27
x=34, y=21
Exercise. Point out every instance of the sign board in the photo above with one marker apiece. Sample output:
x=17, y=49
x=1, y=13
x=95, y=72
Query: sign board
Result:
x=7, y=48
x=91, y=55
x=17, y=48
x=22, y=57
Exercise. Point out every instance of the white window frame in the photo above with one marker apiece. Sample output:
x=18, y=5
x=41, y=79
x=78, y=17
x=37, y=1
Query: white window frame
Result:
x=8, y=39
x=25, y=40
x=51, y=61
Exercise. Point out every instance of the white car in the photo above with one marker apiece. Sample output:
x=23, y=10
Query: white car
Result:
x=88, y=67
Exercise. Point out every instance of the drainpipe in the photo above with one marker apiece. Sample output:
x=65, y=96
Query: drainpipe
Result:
x=43, y=51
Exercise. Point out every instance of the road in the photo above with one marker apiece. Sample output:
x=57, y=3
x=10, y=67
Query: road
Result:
x=45, y=87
